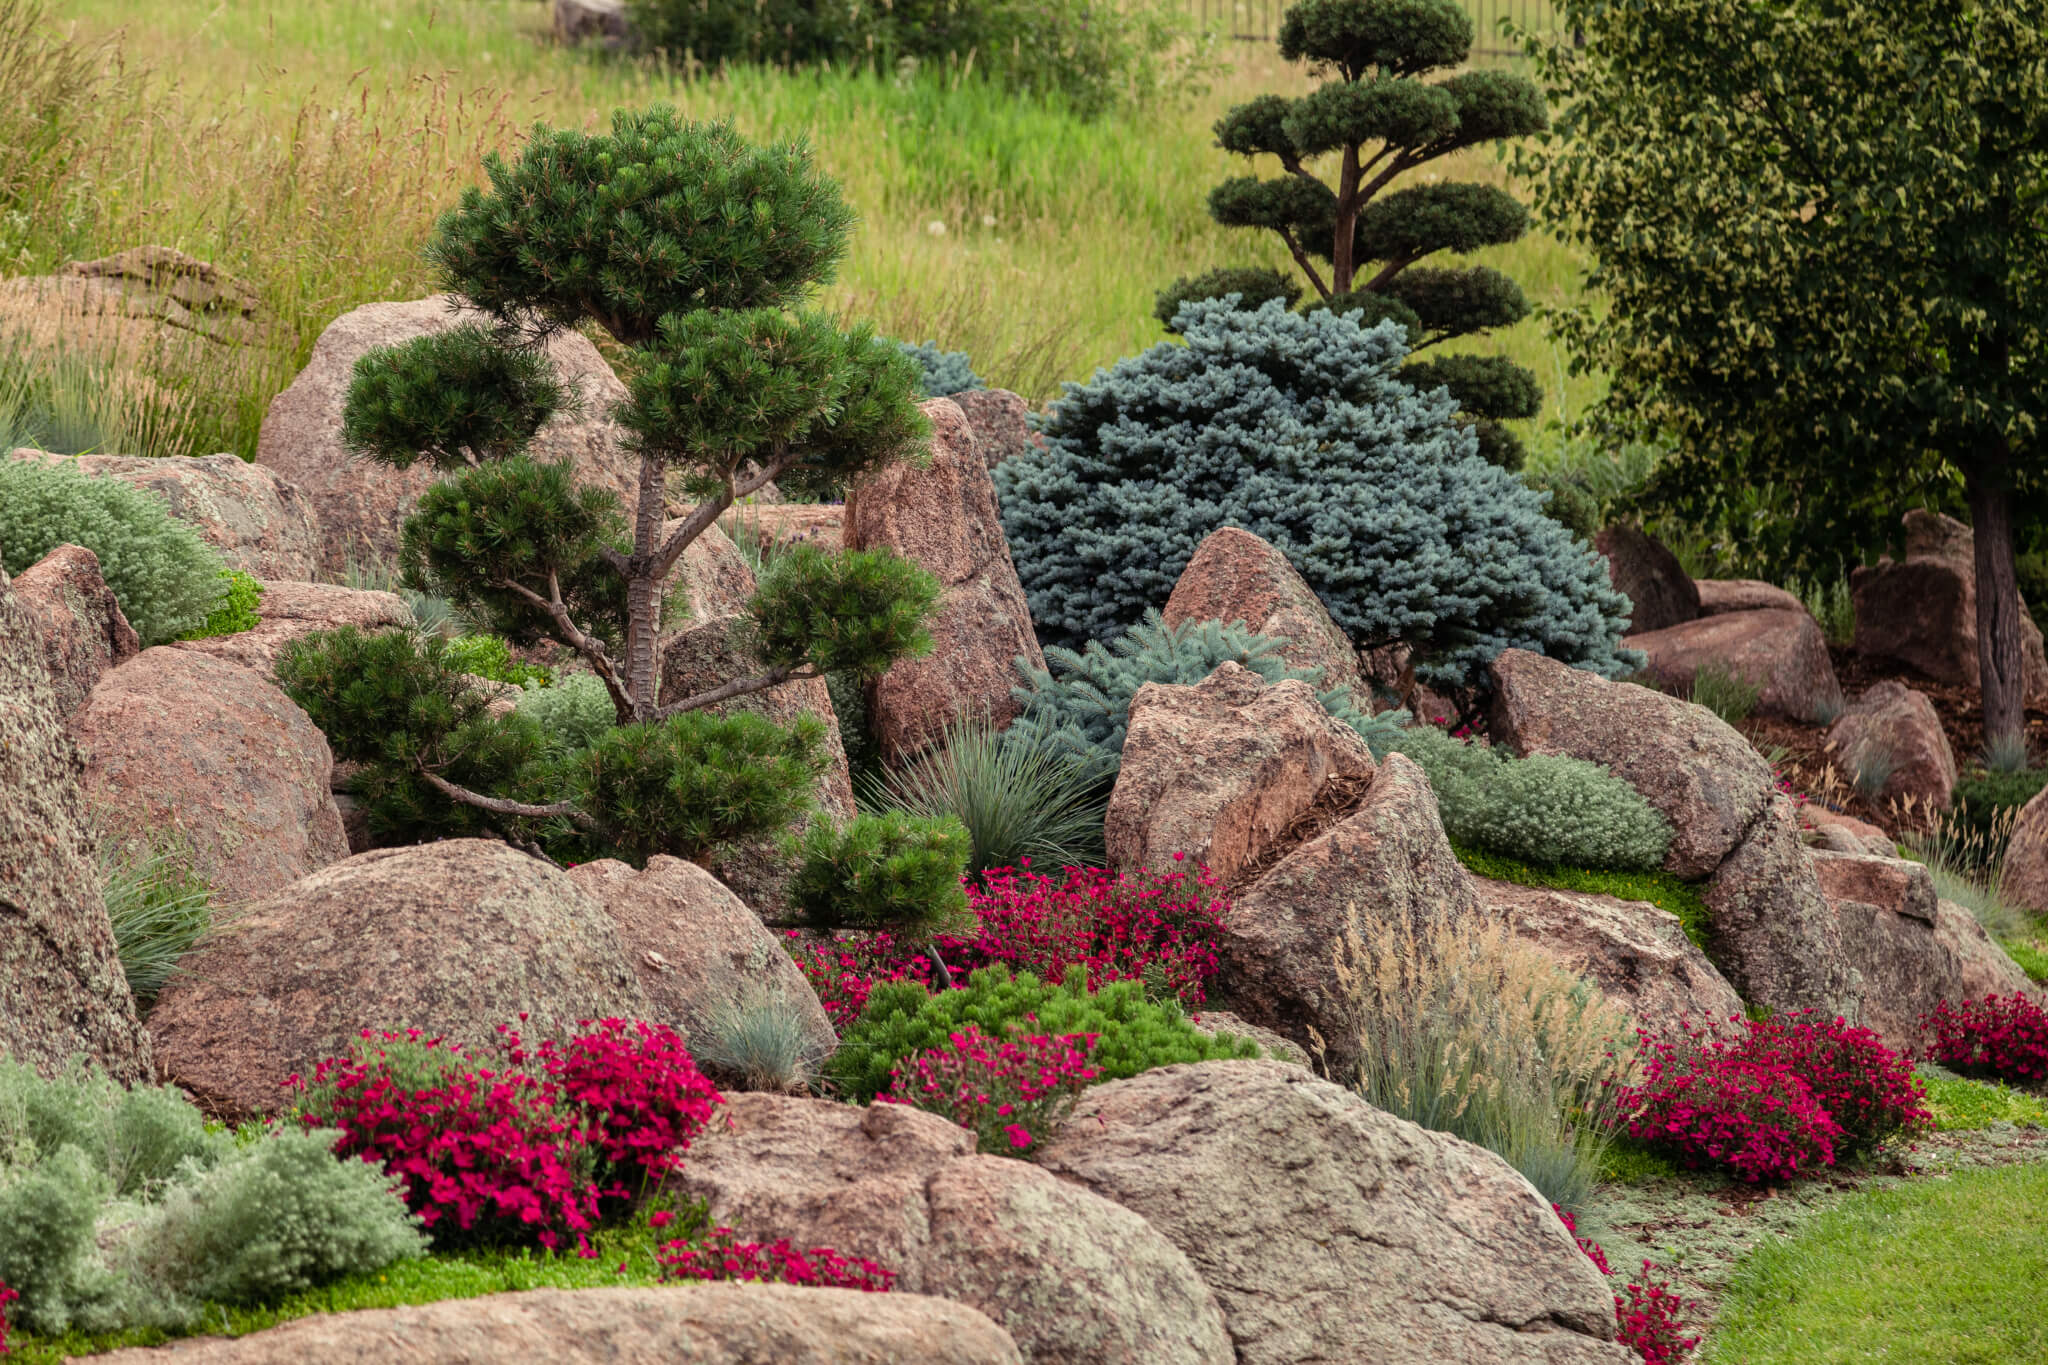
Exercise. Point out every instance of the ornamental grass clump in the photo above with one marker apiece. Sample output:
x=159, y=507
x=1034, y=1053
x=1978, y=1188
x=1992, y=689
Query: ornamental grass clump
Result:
x=720, y=1255
x=1011, y=1093
x=2001, y=1037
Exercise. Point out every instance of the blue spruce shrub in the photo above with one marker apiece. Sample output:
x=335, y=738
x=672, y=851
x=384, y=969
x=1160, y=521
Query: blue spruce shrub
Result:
x=1295, y=428
x=945, y=372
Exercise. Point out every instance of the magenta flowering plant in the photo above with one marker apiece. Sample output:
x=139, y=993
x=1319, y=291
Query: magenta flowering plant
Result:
x=720, y=1255
x=1865, y=1087
x=1648, y=1317
x=7, y=1296
x=2002, y=1037
x=1011, y=1094
x=844, y=971
x=530, y=1144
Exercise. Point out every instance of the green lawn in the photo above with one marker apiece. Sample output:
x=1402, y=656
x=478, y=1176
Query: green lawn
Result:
x=1951, y=1270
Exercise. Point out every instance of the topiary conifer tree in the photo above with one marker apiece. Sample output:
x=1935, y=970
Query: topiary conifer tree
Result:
x=696, y=251
x=1359, y=242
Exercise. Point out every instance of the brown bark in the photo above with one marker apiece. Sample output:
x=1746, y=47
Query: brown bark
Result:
x=643, y=591
x=1999, y=660
x=1341, y=264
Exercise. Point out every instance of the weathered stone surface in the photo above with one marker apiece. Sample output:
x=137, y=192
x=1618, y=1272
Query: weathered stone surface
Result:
x=125, y=305
x=81, y=625
x=1688, y=763
x=1781, y=653
x=603, y=21
x=1224, y=1022
x=1222, y=770
x=698, y=1324
x=1236, y=576
x=1001, y=421
x=290, y=610
x=1073, y=1278
x=215, y=757
x=1913, y=951
x=713, y=576
x=944, y=517
x=1387, y=862
x=1922, y=612
x=711, y=653
x=778, y=524
x=1650, y=576
x=1637, y=954
x=2025, y=879
x=1720, y=596
x=696, y=947
x=62, y=992
x=1824, y=828
x=453, y=938
x=261, y=524
x=1772, y=933
x=1891, y=723
x=1332, y=1231
x=360, y=503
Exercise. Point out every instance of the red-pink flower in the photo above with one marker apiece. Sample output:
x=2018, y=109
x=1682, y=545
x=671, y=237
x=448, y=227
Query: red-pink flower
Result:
x=722, y=1256
x=1007, y=1093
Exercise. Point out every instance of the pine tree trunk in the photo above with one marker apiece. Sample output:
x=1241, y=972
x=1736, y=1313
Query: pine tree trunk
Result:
x=1342, y=266
x=643, y=591
x=2000, y=660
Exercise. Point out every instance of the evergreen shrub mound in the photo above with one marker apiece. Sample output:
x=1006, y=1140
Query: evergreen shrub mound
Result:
x=1251, y=286
x=1133, y=1034
x=1546, y=808
x=167, y=579
x=571, y=711
x=1081, y=703
x=892, y=869
x=945, y=372
x=488, y=656
x=237, y=611
x=1297, y=429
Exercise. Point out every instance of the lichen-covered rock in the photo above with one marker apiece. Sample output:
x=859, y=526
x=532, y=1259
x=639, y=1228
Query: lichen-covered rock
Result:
x=712, y=653
x=453, y=938
x=696, y=947
x=62, y=992
x=1650, y=576
x=1922, y=611
x=1075, y=1279
x=1772, y=932
x=780, y=524
x=1892, y=725
x=712, y=577
x=1636, y=953
x=1225, y=1023
x=1824, y=828
x=1387, y=862
x=290, y=610
x=697, y=1324
x=944, y=517
x=1330, y=1230
x=145, y=300
x=1221, y=771
x=1720, y=596
x=214, y=757
x=360, y=503
x=1235, y=576
x=82, y=629
x=1780, y=653
x=260, y=523
x=1704, y=778
x=1001, y=422
x=2024, y=881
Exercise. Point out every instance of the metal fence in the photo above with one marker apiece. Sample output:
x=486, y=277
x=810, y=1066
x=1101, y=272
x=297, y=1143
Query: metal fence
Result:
x=1258, y=21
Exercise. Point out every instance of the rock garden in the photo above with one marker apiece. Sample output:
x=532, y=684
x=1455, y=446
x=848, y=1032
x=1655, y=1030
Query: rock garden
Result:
x=652, y=708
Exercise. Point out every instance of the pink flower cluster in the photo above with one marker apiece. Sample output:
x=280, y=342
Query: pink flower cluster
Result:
x=844, y=971
x=720, y=1255
x=2002, y=1037
x=1010, y=1095
x=7, y=1296
x=1773, y=1099
x=1649, y=1318
x=530, y=1145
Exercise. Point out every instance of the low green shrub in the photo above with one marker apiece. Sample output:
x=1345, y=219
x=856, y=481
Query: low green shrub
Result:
x=1544, y=809
x=890, y=871
x=167, y=579
x=159, y=908
x=237, y=611
x=1960, y=1104
x=1658, y=888
x=489, y=656
x=1135, y=1034
x=572, y=711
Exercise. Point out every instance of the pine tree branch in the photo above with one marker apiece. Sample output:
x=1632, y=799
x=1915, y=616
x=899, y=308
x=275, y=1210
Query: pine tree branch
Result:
x=738, y=687
x=1301, y=259
x=590, y=647
x=499, y=806
x=713, y=508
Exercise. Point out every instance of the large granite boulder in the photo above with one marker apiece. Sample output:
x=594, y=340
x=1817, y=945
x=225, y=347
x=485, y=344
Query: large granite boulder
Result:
x=1893, y=726
x=698, y=950
x=1330, y=1230
x=260, y=523
x=1771, y=931
x=453, y=938
x=1001, y=422
x=142, y=301
x=1721, y=596
x=1780, y=653
x=1074, y=1278
x=62, y=991
x=82, y=628
x=217, y=759
x=1383, y=865
x=602, y=21
x=1922, y=610
x=289, y=610
x=1236, y=576
x=361, y=504
x=2024, y=881
x=779, y=524
x=1637, y=954
x=943, y=516
x=1650, y=576
x=1222, y=770
x=713, y=578
x=694, y=1324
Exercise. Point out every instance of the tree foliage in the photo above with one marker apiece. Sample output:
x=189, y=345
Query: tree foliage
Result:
x=1820, y=234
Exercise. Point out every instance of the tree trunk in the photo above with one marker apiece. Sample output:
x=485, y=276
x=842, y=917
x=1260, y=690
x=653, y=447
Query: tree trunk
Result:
x=643, y=591
x=2000, y=660
x=1342, y=266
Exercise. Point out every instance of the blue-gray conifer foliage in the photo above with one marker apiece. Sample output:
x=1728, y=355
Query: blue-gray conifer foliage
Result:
x=1295, y=428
